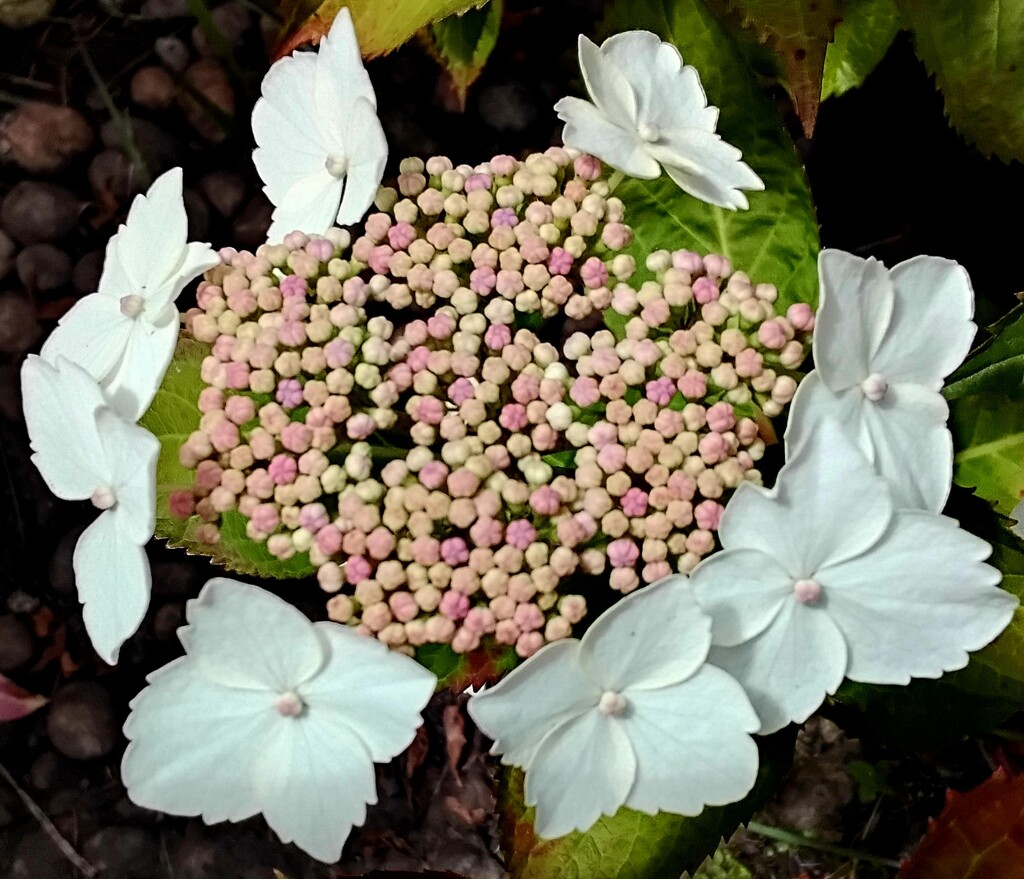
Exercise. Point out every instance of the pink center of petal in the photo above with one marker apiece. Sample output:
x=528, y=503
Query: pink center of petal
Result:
x=648, y=133
x=289, y=704
x=103, y=498
x=874, y=387
x=337, y=165
x=612, y=703
x=807, y=591
x=132, y=305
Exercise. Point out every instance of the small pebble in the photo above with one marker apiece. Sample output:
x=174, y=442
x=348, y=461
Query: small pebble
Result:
x=81, y=722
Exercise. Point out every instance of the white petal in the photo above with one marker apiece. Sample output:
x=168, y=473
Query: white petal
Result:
x=692, y=744
x=916, y=603
x=654, y=637
x=668, y=94
x=195, y=258
x=931, y=329
x=608, y=88
x=131, y=453
x=589, y=130
x=310, y=206
x=113, y=579
x=814, y=404
x=742, y=590
x=911, y=446
x=366, y=164
x=827, y=505
x=375, y=692
x=340, y=81
x=61, y=402
x=194, y=744
x=92, y=334
x=284, y=125
x=147, y=353
x=545, y=691
x=790, y=667
x=707, y=167
x=243, y=636
x=856, y=306
x=571, y=793
x=314, y=779
x=149, y=245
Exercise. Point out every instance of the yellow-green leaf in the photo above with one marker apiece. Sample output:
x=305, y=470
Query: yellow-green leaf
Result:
x=861, y=40
x=381, y=25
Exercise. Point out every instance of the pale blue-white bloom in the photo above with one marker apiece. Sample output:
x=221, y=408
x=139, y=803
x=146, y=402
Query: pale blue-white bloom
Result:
x=824, y=577
x=270, y=713
x=85, y=450
x=124, y=335
x=629, y=715
x=321, y=150
x=648, y=112
x=883, y=343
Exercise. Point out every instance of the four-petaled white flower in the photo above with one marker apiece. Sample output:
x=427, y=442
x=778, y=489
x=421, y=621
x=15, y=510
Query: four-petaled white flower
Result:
x=86, y=450
x=883, y=343
x=321, y=150
x=824, y=577
x=268, y=712
x=650, y=112
x=124, y=335
x=630, y=715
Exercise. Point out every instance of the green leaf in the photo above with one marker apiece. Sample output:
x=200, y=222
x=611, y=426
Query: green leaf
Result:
x=561, y=460
x=996, y=364
x=457, y=671
x=800, y=30
x=380, y=27
x=862, y=38
x=172, y=417
x=630, y=844
x=988, y=431
x=975, y=49
x=777, y=239
x=723, y=864
x=463, y=43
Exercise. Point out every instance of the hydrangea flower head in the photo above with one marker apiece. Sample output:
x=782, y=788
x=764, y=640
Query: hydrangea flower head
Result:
x=85, y=450
x=321, y=150
x=270, y=713
x=649, y=112
x=124, y=334
x=825, y=577
x=660, y=730
x=883, y=343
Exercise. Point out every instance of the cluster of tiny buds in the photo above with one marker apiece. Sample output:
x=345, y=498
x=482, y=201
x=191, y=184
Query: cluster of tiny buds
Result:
x=389, y=407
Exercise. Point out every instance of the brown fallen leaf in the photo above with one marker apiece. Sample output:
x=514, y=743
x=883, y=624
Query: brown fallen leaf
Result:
x=979, y=835
x=455, y=737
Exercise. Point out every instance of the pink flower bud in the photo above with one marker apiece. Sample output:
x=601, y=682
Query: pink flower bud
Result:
x=454, y=605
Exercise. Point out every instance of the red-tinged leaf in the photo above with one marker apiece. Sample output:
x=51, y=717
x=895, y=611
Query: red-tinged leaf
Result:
x=16, y=703
x=979, y=835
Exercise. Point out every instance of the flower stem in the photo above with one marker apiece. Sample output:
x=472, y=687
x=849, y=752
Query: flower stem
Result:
x=798, y=840
x=615, y=180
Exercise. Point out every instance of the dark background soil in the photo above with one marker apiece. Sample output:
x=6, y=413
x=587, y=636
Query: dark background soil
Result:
x=889, y=179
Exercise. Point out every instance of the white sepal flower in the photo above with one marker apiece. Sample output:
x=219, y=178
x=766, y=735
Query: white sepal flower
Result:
x=124, y=335
x=629, y=716
x=650, y=112
x=824, y=577
x=883, y=343
x=321, y=149
x=268, y=712
x=85, y=450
